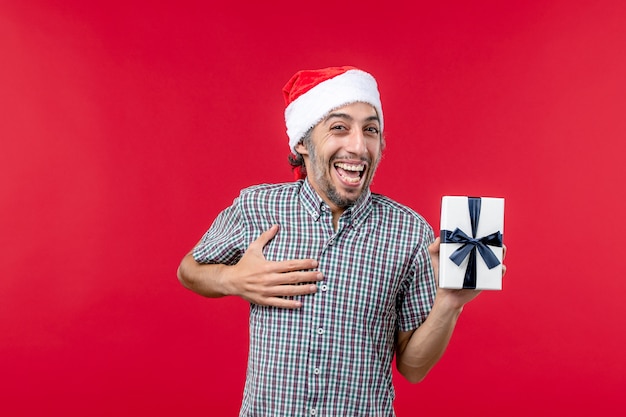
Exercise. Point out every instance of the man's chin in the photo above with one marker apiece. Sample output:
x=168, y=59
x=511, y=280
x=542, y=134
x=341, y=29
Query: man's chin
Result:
x=346, y=198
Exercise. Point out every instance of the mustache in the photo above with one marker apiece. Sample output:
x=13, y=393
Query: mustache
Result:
x=365, y=159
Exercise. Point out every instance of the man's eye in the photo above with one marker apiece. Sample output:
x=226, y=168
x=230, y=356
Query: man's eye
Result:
x=372, y=130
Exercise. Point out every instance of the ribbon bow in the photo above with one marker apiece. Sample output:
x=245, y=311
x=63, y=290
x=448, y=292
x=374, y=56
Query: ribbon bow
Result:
x=472, y=244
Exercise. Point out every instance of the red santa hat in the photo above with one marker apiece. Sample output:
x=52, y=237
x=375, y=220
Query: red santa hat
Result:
x=311, y=94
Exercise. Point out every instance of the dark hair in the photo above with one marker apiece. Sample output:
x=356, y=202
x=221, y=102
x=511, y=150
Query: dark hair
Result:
x=295, y=159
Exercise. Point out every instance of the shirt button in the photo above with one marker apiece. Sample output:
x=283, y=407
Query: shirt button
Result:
x=331, y=242
x=313, y=411
x=324, y=287
x=320, y=331
x=316, y=371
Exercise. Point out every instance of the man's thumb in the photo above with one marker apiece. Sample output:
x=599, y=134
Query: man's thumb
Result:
x=266, y=236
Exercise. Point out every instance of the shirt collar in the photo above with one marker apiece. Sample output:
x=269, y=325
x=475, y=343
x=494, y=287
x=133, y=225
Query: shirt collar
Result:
x=314, y=204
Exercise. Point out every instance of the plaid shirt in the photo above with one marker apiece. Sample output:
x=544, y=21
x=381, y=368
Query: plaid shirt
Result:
x=332, y=357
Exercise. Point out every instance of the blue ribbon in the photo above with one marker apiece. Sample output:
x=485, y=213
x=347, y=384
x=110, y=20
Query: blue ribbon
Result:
x=472, y=244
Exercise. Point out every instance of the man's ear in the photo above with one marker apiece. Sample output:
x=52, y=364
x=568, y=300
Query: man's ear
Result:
x=301, y=149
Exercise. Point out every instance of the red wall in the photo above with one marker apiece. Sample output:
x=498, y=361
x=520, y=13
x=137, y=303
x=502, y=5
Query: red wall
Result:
x=125, y=126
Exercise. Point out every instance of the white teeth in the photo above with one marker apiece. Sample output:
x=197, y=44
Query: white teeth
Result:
x=352, y=180
x=353, y=168
x=350, y=167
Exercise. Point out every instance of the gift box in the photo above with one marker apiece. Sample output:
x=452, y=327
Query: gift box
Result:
x=470, y=254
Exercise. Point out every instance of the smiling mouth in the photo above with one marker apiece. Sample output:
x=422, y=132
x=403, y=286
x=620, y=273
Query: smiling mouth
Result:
x=350, y=173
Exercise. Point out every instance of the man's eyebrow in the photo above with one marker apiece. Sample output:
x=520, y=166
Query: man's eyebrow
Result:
x=350, y=118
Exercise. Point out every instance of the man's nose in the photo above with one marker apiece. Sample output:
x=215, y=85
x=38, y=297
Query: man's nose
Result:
x=356, y=142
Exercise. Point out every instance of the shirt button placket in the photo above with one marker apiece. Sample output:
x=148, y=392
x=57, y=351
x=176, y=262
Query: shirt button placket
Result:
x=316, y=371
x=318, y=326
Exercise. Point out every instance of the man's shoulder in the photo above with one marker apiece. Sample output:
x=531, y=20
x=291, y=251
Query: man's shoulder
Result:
x=390, y=207
x=270, y=190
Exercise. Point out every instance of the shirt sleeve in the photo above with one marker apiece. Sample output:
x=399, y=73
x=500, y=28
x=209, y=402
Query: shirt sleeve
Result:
x=418, y=294
x=224, y=242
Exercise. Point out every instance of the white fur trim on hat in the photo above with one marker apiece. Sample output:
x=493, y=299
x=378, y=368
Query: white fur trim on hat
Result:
x=310, y=108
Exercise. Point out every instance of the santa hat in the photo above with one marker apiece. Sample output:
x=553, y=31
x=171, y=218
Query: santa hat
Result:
x=311, y=94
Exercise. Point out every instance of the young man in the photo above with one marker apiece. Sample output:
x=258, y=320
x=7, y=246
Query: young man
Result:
x=339, y=279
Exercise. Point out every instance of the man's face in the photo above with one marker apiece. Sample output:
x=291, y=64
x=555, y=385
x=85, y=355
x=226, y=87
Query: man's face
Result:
x=343, y=154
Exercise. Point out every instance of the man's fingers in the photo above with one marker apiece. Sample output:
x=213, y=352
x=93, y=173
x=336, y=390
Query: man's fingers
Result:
x=294, y=265
x=294, y=290
x=294, y=278
x=281, y=295
x=433, y=248
x=276, y=283
x=433, y=251
x=282, y=303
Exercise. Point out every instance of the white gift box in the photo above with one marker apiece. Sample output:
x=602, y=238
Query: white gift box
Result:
x=476, y=254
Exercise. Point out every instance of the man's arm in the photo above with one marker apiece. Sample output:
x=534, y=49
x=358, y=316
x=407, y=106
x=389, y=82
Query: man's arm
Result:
x=417, y=351
x=253, y=278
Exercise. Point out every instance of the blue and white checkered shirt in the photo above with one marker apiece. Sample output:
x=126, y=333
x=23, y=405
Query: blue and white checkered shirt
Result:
x=332, y=357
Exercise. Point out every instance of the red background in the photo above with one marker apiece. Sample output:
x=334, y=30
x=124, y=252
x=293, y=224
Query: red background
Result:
x=125, y=127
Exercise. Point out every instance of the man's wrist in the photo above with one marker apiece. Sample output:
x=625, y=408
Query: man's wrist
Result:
x=446, y=305
x=224, y=280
